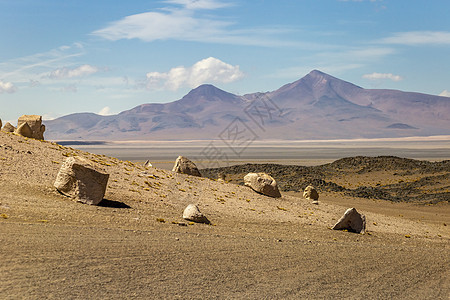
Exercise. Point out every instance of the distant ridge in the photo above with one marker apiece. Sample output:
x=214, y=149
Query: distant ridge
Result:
x=317, y=106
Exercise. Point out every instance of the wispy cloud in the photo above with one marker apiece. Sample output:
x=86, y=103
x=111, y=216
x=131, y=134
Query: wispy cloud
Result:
x=188, y=24
x=208, y=70
x=7, y=87
x=380, y=76
x=342, y=59
x=20, y=69
x=417, y=38
x=200, y=4
x=81, y=71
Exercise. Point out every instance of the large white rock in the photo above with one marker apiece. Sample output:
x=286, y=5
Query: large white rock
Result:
x=262, y=183
x=352, y=221
x=80, y=179
x=185, y=166
x=192, y=213
x=24, y=130
x=311, y=193
x=35, y=123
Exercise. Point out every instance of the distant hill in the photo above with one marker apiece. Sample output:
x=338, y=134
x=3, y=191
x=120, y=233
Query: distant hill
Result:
x=317, y=106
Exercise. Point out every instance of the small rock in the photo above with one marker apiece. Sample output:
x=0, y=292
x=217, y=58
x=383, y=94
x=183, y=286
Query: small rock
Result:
x=192, y=213
x=147, y=164
x=185, y=166
x=352, y=221
x=263, y=184
x=8, y=127
x=311, y=193
x=221, y=177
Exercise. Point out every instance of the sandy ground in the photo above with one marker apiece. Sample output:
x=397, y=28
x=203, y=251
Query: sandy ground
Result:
x=132, y=246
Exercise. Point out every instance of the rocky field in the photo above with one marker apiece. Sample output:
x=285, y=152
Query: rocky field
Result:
x=384, y=177
x=135, y=243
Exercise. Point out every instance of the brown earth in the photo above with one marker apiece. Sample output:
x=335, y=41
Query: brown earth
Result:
x=136, y=245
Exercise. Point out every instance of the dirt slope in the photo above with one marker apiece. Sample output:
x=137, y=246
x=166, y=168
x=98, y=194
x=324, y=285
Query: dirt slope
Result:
x=257, y=247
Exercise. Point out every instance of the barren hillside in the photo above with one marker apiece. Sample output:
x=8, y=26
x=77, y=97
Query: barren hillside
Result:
x=136, y=245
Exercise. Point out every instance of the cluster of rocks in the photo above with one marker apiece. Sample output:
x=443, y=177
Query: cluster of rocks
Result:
x=29, y=126
x=78, y=178
x=295, y=178
x=263, y=183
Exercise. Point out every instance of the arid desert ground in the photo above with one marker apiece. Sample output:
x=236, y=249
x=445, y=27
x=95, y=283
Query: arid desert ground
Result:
x=136, y=245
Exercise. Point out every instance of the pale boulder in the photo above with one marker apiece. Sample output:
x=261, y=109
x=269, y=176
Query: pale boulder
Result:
x=185, y=166
x=192, y=213
x=263, y=184
x=8, y=127
x=352, y=221
x=78, y=178
x=35, y=123
x=311, y=193
x=24, y=130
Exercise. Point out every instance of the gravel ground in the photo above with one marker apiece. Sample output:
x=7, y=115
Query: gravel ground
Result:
x=136, y=245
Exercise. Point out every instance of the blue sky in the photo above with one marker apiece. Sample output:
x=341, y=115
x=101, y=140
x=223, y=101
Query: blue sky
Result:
x=106, y=56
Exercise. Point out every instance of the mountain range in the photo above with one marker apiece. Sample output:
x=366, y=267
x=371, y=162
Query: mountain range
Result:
x=317, y=106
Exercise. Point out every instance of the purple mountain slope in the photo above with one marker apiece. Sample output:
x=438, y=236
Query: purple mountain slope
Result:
x=318, y=106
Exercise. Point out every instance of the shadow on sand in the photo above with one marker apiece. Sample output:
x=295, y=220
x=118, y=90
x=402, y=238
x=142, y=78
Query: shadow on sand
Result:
x=113, y=204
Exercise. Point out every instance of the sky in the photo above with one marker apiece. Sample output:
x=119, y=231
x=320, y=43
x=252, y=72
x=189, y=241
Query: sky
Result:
x=106, y=56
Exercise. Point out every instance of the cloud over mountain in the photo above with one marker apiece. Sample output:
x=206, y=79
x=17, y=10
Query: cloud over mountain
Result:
x=377, y=76
x=204, y=71
x=317, y=106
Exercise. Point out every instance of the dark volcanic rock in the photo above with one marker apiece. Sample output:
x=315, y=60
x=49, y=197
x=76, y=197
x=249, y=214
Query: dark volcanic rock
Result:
x=431, y=186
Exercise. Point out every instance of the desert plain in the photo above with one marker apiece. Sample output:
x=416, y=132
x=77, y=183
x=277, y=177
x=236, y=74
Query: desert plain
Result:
x=136, y=244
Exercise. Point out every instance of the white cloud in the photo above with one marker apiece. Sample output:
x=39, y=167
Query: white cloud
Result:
x=49, y=116
x=81, y=71
x=186, y=25
x=199, y=4
x=445, y=93
x=204, y=71
x=7, y=87
x=378, y=76
x=105, y=111
x=25, y=68
x=415, y=38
